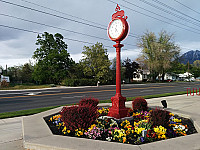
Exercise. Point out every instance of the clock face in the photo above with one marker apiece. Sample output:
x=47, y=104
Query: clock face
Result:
x=115, y=29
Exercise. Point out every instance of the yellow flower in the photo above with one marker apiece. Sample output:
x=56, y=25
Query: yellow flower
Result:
x=124, y=139
x=64, y=129
x=163, y=136
x=68, y=131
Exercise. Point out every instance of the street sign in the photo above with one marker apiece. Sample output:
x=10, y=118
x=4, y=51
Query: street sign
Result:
x=6, y=78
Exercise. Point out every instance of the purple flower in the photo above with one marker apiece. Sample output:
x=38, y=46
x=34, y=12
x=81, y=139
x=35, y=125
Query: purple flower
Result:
x=142, y=139
x=172, y=122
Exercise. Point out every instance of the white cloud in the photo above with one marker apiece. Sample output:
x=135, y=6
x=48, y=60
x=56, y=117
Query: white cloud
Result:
x=186, y=46
x=130, y=53
x=76, y=57
x=19, y=45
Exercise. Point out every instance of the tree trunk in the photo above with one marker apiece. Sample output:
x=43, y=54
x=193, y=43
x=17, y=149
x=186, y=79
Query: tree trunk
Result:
x=163, y=77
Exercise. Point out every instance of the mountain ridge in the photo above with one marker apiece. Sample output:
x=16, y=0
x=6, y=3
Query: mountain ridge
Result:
x=190, y=56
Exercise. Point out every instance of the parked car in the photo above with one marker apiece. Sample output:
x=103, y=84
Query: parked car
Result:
x=190, y=80
x=169, y=80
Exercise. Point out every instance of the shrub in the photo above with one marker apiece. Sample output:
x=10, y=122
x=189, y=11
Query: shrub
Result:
x=76, y=117
x=89, y=101
x=140, y=104
x=159, y=117
x=4, y=84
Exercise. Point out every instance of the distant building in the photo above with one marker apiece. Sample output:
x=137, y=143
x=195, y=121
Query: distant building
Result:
x=168, y=76
x=141, y=75
x=185, y=76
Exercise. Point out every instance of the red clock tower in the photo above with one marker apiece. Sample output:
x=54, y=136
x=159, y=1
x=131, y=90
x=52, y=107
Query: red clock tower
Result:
x=117, y=31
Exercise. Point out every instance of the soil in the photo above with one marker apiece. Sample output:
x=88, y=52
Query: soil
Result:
x=188, y=122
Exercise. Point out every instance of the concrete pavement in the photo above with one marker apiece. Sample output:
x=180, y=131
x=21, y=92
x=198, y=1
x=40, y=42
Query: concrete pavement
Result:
x=11, y=134
x=37, y=135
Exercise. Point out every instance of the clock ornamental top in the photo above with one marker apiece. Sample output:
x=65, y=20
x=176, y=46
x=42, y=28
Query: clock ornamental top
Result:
x=118, y=14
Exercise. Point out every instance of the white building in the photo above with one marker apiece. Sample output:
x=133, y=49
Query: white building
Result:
x=168, y=76
x=186, y=77
x=141, y=75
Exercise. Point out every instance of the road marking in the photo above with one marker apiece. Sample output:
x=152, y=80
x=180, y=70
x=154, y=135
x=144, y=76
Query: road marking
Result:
x=67, y=97
x=82, y=92
x=146, y=90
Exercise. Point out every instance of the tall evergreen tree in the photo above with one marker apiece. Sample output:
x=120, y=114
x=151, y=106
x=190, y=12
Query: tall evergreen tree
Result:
x=53, y=60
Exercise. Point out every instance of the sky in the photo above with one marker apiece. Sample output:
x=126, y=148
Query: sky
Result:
x=84, y=23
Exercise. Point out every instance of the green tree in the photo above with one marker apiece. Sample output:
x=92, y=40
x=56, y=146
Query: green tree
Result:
x=130, y=67
x=196, y=63
x=158, y=52
x=15, y=74
x=53, y=60
x=95, y=62
x=26, y=73
x=177, y=67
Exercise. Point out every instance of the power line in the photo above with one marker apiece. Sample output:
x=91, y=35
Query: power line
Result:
x=30, y=21
x=47, y=13
x=65, y=18
x=63, y=13
x=19, y=29
x=160, y=15
x=133, y=35
x=171, y=8
x=187, y=7
x=31, y=31
x=153, y=17
x=169, y=12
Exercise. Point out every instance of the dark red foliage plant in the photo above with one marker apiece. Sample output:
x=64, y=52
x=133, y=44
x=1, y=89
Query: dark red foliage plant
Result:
x=75, y=117
x=140, y=104
x=89, y=101
x=159, y=117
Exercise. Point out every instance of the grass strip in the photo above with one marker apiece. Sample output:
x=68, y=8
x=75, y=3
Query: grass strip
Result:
x=20, y=87
x=25, y=112
x=38, y=110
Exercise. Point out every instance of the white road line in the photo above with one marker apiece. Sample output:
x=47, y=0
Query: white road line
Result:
x=74, y=96
x=11, y=93
x=147, y=90
x=79, y=96
x=67, y=97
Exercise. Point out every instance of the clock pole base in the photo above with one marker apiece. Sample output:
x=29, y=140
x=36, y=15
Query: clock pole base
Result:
x=118, y=109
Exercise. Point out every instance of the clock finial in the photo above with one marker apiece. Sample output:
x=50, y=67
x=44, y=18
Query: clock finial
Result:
x=119, y=13
x=117, y=8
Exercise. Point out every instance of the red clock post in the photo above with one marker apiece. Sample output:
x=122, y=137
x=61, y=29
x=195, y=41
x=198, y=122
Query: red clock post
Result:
x=117, y=31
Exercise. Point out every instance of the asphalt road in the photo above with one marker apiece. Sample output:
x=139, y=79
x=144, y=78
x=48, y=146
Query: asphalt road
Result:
x=28, y=99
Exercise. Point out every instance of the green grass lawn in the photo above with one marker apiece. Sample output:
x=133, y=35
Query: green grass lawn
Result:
x=24, y=86
x=38, y=110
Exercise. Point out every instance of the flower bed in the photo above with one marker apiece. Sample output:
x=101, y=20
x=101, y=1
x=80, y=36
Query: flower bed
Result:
x=140, y=127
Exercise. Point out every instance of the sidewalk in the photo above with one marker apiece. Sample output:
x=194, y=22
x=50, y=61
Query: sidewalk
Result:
x=37, y=136
x=11, y=134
